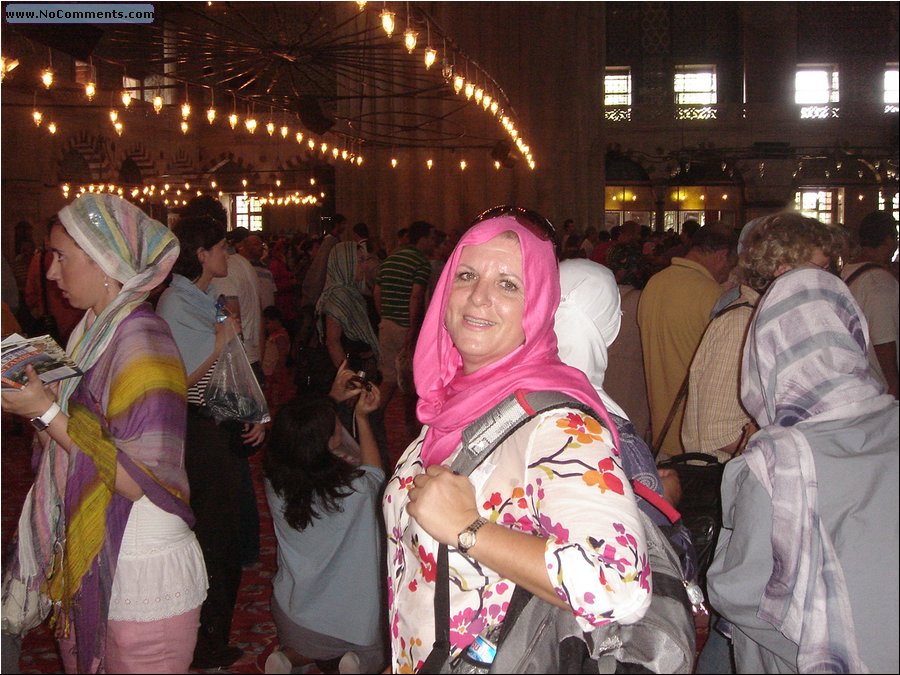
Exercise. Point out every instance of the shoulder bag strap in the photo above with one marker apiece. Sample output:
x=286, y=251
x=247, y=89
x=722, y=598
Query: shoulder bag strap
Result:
x=682, y=392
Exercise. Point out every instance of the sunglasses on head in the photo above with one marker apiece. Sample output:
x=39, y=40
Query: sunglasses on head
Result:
x=534, y=221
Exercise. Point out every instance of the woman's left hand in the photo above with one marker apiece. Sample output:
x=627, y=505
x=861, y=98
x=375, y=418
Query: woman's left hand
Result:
x=442, y=503
x=254, y=434
x=32, y=400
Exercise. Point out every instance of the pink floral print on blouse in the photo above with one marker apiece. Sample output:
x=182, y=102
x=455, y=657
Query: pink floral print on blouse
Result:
x=557, y=477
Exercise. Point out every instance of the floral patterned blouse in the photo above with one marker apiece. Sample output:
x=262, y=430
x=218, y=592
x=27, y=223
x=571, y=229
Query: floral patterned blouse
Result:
x=557, y=477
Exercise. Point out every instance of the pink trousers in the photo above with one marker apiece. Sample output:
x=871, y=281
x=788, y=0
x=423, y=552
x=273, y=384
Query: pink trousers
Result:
x=164, y=646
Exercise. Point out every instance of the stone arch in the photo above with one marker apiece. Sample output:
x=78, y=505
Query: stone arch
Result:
x=228, y=171
x=142, y=159
x=94, y=161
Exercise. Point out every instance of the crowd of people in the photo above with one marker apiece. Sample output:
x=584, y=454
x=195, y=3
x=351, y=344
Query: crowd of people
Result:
x=772, y=349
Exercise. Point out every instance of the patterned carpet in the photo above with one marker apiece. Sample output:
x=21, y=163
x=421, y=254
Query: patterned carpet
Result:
x=252, y=629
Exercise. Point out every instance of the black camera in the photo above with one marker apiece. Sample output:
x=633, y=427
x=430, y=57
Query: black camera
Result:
x=360, y=381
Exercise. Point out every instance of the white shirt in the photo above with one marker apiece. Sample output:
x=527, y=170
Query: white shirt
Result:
x=160, y=572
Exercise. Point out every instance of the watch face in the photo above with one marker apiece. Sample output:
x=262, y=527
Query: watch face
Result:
x=466, y=540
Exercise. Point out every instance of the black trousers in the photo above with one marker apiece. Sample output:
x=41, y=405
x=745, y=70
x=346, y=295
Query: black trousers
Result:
x=214, y=474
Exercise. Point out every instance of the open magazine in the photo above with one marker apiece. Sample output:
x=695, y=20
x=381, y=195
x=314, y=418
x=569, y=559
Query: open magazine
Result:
x=43, y=352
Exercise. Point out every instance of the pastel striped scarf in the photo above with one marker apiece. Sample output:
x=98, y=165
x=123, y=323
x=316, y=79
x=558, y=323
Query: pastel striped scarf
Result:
x=805, y=362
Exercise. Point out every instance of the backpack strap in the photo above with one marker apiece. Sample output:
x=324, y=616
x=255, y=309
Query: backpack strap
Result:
x=482, y=436
x=859, y=271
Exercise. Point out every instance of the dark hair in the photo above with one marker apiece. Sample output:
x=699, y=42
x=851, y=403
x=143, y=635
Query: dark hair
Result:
x=714, y=237
x=418, y=230
x=875, y=227
x=362, y=230
x=205, y=205
x=195, y=233
x=299, y=464
x=272, y=313
x=690, y=227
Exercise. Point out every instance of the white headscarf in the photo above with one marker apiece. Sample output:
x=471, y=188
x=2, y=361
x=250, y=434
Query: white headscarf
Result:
x=588, y=320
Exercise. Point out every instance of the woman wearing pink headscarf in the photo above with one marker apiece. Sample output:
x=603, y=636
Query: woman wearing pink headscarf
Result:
x=551, y=508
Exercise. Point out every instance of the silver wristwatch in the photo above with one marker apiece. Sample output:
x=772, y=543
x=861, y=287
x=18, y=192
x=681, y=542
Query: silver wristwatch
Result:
x=467, y=538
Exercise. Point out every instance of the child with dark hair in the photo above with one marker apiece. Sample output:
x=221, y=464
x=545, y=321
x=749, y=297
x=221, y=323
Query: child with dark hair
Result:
x=326, y=599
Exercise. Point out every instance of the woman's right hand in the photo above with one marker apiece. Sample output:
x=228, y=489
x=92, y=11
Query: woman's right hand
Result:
x=225, y=330
x=369, y=400
x=342, y=389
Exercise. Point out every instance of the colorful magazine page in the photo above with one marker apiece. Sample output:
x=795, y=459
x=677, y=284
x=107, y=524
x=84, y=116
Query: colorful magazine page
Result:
x=43, y=352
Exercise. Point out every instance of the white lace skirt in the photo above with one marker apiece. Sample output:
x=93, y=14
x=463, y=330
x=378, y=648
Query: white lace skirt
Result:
x=160, y=571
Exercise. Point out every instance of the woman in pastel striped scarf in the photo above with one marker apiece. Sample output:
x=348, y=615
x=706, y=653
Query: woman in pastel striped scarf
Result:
x=106, y=529
x=806, y=567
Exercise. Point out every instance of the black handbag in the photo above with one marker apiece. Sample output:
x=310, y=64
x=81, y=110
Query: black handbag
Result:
x=701, y=502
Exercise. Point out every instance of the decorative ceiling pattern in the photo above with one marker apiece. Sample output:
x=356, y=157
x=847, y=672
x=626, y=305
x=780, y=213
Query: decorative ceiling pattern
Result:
x=329, y=64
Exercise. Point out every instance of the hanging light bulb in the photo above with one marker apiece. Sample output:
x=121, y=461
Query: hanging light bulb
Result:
x=90, y=90
x=458, y=83
x=496, y=164
x=312, y=144
x=119, y=128
x=410, y=37
x=430, y=56
x=486, y=101
x=8, y=65
x=284, y=131
x=126, y=98
x=393, y=162
x=344, y=154
x=462, y=165
x=51, y=127
x=113, y=115
x=47, y=78
x=324, y=148
x=233, y=120
x=479, y=94
x=429, y=163
x=185, y=110
x=277, y=182
x=38, y=117
x=299, y=138
x=157, y=104
x=251, y=125
x=361, y=4
x=359, y=161
x=211, y=115
x=387, y=21
x=184, y=126
x=270, y=128
x=335, y=152
x=244, y=182
x=494, y=107
x=470, y=89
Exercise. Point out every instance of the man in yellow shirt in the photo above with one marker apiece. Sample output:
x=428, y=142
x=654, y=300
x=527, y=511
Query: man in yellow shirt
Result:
x=673, y=312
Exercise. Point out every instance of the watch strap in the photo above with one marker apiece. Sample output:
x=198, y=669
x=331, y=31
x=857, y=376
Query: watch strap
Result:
x=476, y=525
x=43, y=421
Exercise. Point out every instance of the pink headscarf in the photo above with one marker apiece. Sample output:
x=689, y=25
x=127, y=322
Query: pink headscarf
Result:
x=449, y=400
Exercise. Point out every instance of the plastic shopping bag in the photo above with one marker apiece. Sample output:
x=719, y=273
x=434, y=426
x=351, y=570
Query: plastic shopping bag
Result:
x=233, y=393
